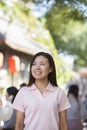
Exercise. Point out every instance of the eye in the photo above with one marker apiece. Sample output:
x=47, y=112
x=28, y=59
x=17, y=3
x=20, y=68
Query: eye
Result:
x=42, y=63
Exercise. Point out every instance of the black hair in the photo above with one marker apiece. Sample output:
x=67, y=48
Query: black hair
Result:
x=51, y=76
x=23, y=85
x=74, y=89
x=12, y=91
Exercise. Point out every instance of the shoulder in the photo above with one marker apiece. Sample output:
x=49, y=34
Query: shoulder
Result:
x=24, y=88
x=58, y=89
x=22, y=91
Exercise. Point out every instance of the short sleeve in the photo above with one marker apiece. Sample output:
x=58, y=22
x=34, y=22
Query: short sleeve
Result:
x=18, y=103
x=63, y=101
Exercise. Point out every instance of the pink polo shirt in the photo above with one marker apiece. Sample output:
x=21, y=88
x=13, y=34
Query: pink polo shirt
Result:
x=41, y=110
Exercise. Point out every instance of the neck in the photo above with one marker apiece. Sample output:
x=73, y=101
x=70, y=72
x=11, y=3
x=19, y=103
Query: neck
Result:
x=41, y=85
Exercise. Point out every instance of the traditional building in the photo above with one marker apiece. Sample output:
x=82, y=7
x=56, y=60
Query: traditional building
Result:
x=16, y=51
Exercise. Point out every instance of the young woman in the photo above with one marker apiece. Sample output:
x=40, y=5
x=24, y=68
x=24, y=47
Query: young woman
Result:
x=41, y=105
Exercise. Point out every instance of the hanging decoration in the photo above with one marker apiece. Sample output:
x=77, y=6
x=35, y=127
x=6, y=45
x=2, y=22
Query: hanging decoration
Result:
x=14, y=64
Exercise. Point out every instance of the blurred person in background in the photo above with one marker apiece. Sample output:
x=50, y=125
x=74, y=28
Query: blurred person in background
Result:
x=5, y=109
x=85, y=120
x=77, y=112
x=10, y=96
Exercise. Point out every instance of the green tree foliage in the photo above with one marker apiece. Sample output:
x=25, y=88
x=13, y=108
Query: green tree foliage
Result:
x=72, y=40
x=65, y=19
x=67, y=25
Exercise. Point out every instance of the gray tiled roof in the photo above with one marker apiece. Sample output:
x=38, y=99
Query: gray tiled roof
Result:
x=15, y=38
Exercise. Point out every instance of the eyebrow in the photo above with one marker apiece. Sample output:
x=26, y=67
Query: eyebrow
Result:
x=41, y=61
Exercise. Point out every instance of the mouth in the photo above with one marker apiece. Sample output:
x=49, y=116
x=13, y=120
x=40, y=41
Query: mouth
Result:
x=38, y=72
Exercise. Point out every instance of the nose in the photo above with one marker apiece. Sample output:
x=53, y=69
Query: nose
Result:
x=37, y=66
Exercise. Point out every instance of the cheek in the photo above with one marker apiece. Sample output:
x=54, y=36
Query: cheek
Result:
x=46, y=70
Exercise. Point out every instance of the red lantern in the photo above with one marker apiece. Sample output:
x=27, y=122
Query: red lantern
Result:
x=1, y=59
x=14, y=64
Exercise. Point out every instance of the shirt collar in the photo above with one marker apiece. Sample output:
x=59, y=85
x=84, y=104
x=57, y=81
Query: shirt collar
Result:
x=48, y=88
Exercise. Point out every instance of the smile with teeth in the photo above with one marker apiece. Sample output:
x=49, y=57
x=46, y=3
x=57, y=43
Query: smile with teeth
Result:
x=38, y=72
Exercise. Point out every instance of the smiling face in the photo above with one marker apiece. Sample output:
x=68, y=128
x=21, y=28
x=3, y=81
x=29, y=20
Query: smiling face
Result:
x=40, y=68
